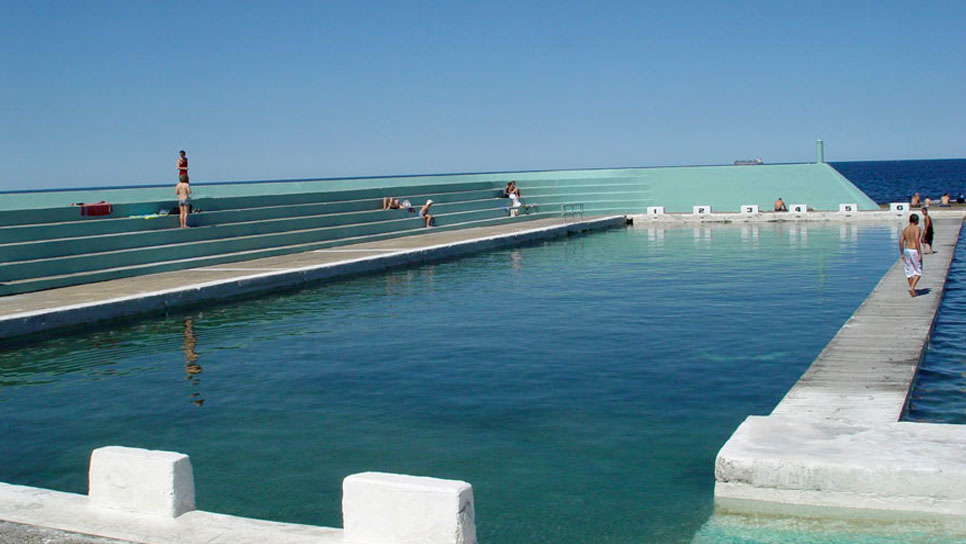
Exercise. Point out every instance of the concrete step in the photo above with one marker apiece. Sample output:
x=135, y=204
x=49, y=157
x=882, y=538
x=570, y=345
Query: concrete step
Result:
x=28, y=251
x=68, y=213
x=64, y=280
x=115, y=258
x=113, y=224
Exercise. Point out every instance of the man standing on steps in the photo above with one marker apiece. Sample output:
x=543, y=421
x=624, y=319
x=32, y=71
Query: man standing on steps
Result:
x=182, y=167
x=911, y=252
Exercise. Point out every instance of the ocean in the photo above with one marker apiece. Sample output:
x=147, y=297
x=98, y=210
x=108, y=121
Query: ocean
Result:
x=896, y=181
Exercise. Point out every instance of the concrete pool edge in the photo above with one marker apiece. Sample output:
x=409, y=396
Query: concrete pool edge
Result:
x=835, y=439
x=23, y=324
x=148, y=496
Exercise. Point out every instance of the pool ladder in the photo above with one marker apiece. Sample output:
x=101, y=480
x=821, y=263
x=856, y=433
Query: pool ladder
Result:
x=572, y=211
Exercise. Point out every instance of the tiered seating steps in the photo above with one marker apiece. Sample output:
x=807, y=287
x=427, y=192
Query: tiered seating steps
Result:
x=61, y=252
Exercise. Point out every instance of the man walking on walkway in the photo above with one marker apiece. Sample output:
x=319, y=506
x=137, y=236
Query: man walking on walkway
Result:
x=911, y=252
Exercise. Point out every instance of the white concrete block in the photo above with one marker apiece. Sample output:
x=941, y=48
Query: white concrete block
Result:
x=795, y=459
x=142, y=481
x=848, y=208
x=380, y=508
x=798, y=208
x=899, y=207
x=702, y=210
x=749, y=209
x=655, y=210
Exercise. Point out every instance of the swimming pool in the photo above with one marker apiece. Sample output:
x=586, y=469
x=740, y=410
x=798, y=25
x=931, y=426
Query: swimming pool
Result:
x=582, y=386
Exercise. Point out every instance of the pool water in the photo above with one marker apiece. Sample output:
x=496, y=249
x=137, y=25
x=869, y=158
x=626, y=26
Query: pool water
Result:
x=939, y=391
x=582, y=386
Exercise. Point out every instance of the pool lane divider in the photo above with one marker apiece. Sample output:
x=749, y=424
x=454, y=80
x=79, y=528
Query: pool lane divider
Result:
x=23, y=324
x=836, y=439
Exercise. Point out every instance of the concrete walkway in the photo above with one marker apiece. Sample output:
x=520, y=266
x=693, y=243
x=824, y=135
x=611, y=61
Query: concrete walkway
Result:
x=835, y=439
x=16, y=533
x=81, y=305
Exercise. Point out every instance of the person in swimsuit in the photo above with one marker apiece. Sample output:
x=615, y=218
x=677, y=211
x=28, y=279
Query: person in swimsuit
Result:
x=927, y=230
x=183, y=190
x=944, y=201
x=424, y=213
x=391, y=203
x=911, y=253
x=780, y=205
x=183, y=167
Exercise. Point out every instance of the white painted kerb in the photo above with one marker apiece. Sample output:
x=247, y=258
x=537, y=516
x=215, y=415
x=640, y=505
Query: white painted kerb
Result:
x=397, y=509
x=143, y=481
x=148, y=496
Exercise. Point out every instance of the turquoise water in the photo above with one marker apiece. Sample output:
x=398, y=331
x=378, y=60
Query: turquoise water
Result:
x=582, y=386
x=939, y=391
x=827, y=526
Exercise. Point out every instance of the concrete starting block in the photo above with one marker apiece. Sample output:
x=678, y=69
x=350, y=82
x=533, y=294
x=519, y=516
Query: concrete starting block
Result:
x=142, y=481
x=701, y=210
x=899, y=207
x=848, y=209
x=798, y=208
x=380, y=507
x=749, y=209
x=655, y=210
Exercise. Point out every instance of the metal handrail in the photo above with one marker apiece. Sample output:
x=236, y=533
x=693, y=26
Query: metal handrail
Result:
x=572, y=211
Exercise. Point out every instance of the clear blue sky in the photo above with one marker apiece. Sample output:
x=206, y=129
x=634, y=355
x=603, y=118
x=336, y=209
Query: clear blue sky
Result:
x=106, y=93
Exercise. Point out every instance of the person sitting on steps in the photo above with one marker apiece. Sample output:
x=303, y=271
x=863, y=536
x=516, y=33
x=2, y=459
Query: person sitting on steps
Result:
x=391, y=203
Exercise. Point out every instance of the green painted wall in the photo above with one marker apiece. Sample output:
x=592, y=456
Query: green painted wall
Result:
x=725, y=188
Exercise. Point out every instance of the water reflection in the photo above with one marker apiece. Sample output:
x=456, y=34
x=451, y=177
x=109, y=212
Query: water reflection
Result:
x=751, y=233
x=848, y=233
x=702, y=233
x=191, y=367
x=798, y=236
x=656, y=235
x=516, y=259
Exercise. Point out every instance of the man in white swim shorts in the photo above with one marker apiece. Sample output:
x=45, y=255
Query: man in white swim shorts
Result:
x=911, y=252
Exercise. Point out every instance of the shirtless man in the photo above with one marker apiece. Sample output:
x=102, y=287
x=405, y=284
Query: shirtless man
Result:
x=182, y=167
x=780, y=205
x=911, y=253
x=183, y=190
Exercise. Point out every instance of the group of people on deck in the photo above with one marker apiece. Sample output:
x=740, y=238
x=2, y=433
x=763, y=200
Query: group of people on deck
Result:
x=944, y=201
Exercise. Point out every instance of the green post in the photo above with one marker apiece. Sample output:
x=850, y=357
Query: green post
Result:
x=819, y=152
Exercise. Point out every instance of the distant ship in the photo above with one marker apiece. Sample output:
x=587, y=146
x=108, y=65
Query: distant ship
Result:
x=749, y=162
